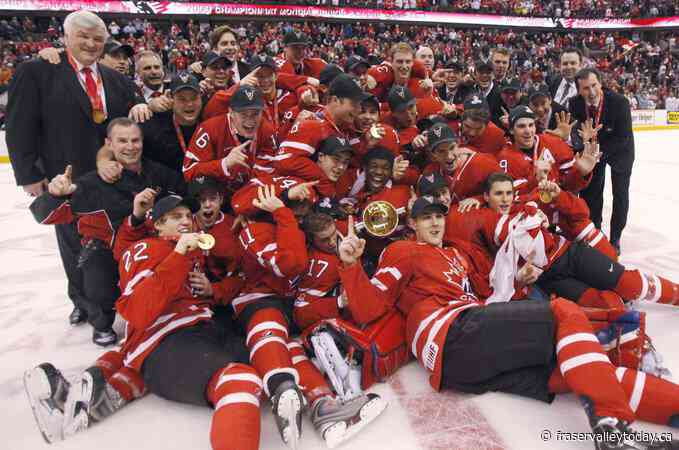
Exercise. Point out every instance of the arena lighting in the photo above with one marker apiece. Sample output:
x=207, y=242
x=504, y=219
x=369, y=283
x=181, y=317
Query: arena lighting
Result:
x=314, y=12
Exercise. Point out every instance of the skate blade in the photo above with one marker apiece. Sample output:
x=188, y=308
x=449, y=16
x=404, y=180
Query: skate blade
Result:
x=288, y=409
x=75, y=411
x=38, y=390
x=341, y=431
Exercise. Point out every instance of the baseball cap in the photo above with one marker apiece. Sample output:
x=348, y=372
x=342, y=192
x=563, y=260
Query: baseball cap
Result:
x=428, y=184
x=262, y=60
x=400, y=98
x=510, y=85
x=475, y=101
x=295, y=38
x=331, y=207
x=378, y=153
x=355, y=61
x=184, y=80
x=483, y=66
x=343, y=86
x=199, y=184
x=112, y=47
x=440, y=133
x=329, y=73
x=539, y=90
x=370, y=98
x=334, y=145
x=520, y=112
x=427, y=204
x=167, y=204
x=247, y=97
x=212, y=57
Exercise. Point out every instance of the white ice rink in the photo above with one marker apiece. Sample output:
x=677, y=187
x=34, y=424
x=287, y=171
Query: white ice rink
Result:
x=34, y=328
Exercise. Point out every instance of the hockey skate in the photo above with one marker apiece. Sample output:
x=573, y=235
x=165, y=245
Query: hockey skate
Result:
x=344, y=376
x=288, y=404
x=47, y=390
x=90, y=400
x=611, y=433
x=337, y=421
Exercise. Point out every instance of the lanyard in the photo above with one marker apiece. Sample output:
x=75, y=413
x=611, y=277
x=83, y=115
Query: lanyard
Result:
x=600, y=108
x=180, y=135
x=253, y=142
x=97, y=104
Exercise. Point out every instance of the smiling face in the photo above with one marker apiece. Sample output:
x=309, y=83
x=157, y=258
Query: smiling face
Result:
x=210, y=205
x=117, y=61
x=569, y=65
x=186, y=106
x=406, y=118
x=85, y=44
x=334, y=166
x=175, y=222
x=500, y=64
x=126, y=143
x=228, y=46
x=402, y=62
x=377, y=174
x=326, y=239
x=266, y=81
x=500, y=197
x=426, y=55
x=218, y=72
x=524, y=132
x=445, y=155
x=471, y=129
x=429, y=227
x=246, y=122
x=295, y=53
x=368, y=116
x=590, y=89
x=150, y=70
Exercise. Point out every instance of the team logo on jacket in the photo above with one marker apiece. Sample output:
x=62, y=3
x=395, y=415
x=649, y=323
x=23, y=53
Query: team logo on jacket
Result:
x=437, y=131
x=475, y=100
x=184, y=77
x=250, y=94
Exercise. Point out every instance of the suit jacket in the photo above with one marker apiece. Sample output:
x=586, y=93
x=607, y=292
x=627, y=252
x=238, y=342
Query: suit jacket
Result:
x=616, y=139
x=461, y=94
x=556, y=109
x=554, y=83
x=49, y=119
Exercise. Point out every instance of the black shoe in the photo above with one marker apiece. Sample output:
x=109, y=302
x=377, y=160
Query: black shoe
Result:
x=104, y=338
x=77, y=316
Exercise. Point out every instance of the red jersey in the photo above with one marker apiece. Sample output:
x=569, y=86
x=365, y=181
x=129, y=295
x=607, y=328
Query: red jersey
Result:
x=468, y=179
x=309, y=67
x=155, y=298
x=520, y=164
x=491, y=141
x=275, y=254
x=384, y=75
x=317, y=289
x=429, y=285
x=212, y=142
x=241, y=202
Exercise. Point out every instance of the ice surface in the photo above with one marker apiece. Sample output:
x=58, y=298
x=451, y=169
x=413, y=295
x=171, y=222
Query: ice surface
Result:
x=34, y=328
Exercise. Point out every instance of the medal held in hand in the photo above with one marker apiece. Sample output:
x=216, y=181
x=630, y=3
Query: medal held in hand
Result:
x=98, y=116
x=545, y=196
x=206, y=241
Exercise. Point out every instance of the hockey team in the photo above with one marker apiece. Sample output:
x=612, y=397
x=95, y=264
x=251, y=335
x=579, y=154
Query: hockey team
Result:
x=330, y=224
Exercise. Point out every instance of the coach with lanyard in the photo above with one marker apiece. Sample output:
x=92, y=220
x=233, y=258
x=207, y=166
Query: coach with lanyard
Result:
x=57, y=116
x=612, y=112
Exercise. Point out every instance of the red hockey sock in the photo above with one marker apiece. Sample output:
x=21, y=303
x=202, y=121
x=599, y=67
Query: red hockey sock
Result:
x=234, y=392
x=129, y=383
x=635, y=285
x=584, y=364
x=651, y=398
x=267, y=339
x=312, y=382
x=605, y=247
x=594, y=298
x=109, y=363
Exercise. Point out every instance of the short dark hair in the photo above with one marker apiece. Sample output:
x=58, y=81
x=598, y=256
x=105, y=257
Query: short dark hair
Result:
x=122, y=122
x=572, y=50
x=583, y=74
x=497, y=177
x=378, y=153
x=316, y=222
x=477, y=115
x=217, y=34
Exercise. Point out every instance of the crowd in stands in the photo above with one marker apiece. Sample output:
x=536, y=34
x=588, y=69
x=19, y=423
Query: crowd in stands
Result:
x=643, y=67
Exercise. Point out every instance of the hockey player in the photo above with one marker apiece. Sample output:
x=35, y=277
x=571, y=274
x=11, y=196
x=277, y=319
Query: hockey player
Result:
x=296, y=154
x=568, y=269
x=173, y=347
x=233, y=146
x=476, y=130
x=518, y=158
x=472, y=347
x=403, y=71
x=99, y=207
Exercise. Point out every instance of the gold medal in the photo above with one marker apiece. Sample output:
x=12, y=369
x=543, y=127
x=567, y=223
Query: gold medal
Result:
x=375, y=132
x=98, y=116
x=206, y=241
x=546, y=197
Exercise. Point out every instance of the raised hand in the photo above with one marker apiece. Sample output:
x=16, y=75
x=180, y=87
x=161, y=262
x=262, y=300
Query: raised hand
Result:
x=237, y=156
x=62, y=185
x=351, y=247
x=372, y=140
x=588, y=158
x=143, y=201
x=251, y=79
x=140, y=113
x=504, y=118
x=552, y=188
x=563, y=125
x=420, y=141
x=186, y=243
x=528, y=274
x=400, y=167
x=588, y=132
x=267, y=200
x=301, y=191
x=468, y=204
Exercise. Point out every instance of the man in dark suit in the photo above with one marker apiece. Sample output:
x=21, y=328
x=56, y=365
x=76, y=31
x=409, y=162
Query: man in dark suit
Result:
x=486, y=86
x=57, y=116
x=453, y=89
x=562, y=87
x=616, y=141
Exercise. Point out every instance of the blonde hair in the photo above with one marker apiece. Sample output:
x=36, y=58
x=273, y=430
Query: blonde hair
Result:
x=401, y=47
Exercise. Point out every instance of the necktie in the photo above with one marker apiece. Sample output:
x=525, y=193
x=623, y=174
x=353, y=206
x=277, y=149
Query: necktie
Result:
x=90, y=85
x=155, y=94
x=564, y=94
x=593, y=110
